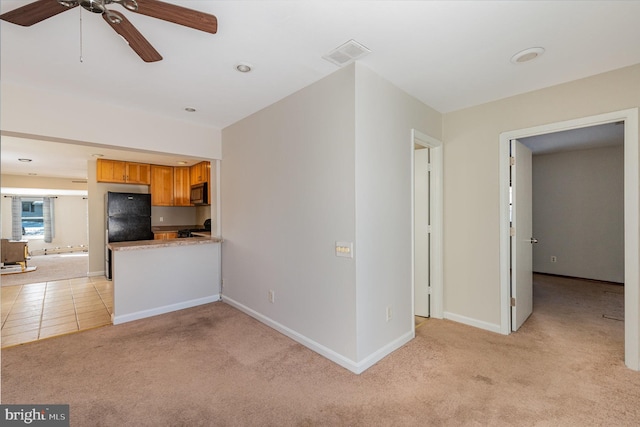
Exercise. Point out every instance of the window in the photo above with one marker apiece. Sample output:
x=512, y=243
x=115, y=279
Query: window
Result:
x=32, y=217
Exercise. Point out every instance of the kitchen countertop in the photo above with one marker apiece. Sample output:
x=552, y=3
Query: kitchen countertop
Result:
x=150, y=244
x=172, y=228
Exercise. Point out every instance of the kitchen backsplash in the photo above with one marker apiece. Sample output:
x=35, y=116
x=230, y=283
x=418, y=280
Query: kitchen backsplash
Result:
x=172, y=215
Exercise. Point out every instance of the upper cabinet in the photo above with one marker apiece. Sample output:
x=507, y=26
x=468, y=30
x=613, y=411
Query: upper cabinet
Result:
x=200, y=172
x=117, y=171
x=161, y=185
x=138, y=173
x=169, y=186
x=181, y=186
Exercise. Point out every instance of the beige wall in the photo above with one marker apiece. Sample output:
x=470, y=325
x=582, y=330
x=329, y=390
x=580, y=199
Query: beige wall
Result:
x=471, y=180
x=578, y=213
x=385, y=117
x=329, y=163
x=287, y=194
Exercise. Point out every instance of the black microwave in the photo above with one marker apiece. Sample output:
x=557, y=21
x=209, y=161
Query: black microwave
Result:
x=199, y=194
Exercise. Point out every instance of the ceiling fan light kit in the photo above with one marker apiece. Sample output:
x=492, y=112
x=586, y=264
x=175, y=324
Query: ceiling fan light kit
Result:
x=40, y=10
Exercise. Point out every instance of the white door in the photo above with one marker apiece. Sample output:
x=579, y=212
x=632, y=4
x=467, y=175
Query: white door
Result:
x=521, y=231
x=421, y=263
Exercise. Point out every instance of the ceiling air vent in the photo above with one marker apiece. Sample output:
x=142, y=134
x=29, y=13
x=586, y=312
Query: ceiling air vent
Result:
x=347, y=53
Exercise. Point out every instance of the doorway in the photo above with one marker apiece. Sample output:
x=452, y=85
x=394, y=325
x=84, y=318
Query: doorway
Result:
x=631, y=208
x=426, y=222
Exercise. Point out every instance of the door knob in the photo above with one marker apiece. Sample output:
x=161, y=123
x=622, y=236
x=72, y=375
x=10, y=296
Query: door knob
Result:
x=534, y=240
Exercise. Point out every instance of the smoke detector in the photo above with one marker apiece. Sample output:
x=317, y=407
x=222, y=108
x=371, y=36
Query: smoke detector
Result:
x=527, y=55
x=347, y=53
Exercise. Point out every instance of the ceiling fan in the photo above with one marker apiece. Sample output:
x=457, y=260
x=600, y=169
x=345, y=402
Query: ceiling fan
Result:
x=40, y=10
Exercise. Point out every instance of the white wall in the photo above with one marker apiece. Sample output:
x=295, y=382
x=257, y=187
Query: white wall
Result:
x=578, y=213
x=71, y=220
x=47, y=115
x=384, y=118
x=71, y=223
x=287, y=194
x=329, y=163
x=471, y=180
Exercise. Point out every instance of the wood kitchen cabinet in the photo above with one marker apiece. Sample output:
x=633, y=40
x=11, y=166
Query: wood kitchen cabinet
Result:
x=200, y=172
x=164, y=236
x=121, y=172
x=161, y=185
x=182, y=186
x=138, y=173
x=111, y=171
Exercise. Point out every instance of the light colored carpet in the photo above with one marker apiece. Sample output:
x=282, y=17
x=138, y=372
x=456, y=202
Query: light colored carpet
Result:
x=213, y=365
x=50, y=268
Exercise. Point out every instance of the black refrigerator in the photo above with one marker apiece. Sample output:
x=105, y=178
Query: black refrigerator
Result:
x=128, y=217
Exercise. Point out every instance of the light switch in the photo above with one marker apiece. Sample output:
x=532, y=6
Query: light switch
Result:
x=344, y=249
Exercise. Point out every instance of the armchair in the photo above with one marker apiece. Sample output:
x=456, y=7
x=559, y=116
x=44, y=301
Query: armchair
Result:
x=14, y=252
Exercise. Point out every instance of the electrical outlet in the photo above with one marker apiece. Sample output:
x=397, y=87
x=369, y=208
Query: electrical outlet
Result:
x=388, y=314
x=272, y=296
x=161, y=219
x=554, y=258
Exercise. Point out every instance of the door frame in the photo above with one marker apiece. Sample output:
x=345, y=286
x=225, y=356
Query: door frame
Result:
x=631, y=221
x=436, y=190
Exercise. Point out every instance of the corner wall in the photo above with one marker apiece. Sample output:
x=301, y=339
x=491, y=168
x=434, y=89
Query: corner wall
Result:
x=330, y=163
x=385, y=117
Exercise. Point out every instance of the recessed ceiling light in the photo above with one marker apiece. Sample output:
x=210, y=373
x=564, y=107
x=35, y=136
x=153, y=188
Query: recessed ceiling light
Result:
x=98, y=155
x=243, y=68
x=527, y=55
x=25, y=160
x=190, y=109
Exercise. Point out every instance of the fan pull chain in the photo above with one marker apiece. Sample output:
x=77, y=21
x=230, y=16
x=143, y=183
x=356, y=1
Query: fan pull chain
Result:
x=81, y=59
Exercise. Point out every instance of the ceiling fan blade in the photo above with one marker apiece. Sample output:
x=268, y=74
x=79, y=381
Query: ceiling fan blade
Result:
x=178, y=15
x=35, y=12
x=136, y=41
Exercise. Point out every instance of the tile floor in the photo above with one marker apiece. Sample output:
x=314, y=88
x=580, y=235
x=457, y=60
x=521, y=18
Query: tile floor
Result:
x=420, y=320
x=42, y=310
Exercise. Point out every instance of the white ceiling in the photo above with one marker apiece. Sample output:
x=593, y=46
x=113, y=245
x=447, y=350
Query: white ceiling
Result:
x=448, y=54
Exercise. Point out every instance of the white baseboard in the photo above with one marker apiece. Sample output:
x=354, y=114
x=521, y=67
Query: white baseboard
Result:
x=383, y=352
x=165, y=309
x=355, y=367
x=473, y=322
x=95, y=273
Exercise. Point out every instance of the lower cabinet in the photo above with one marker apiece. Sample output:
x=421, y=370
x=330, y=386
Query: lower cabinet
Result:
x=164, y=236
